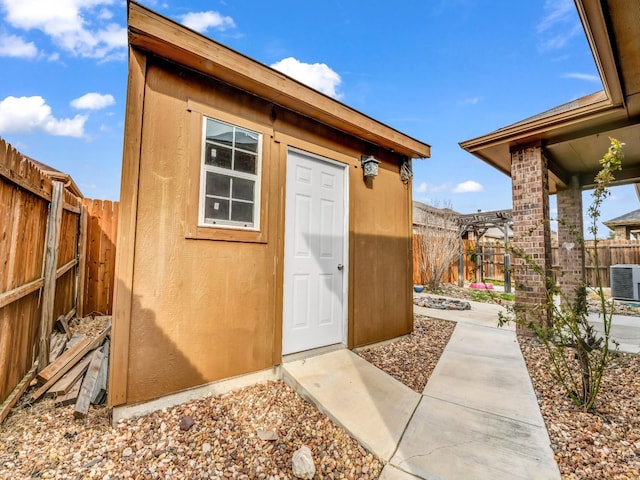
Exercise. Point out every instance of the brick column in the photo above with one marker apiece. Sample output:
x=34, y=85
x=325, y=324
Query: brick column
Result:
x=531, y=232
x=570, y=239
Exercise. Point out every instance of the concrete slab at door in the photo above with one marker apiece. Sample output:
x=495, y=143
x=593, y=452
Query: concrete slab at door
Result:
x=314, y=263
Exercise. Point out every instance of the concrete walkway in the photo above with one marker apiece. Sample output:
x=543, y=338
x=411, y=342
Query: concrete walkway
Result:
x=624, y=329
x=477, y=418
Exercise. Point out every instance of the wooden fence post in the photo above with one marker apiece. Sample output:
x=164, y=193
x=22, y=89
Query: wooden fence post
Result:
x=82, y=262
x=49, y=274
x=460, y=261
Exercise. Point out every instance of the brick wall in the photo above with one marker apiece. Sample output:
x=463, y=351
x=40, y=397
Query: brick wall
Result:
x=570, y=252
x=531, y=232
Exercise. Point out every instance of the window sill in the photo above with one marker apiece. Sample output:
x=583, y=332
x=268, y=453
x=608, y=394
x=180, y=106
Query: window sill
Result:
x=226, y=235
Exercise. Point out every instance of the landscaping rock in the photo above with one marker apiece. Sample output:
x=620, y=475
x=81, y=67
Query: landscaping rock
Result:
x=303, y=466
x=186, y=423
x=442, y=303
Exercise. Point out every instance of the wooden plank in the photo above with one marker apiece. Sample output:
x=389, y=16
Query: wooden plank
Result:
x=73, y=354
x=100, y=389
x=82, y=261
x=67, y=381
x=63, y=325
x=66, y=267
x=17, y=293
x=123, y=288
x=71, y=397
x=14, y=396
x=49, y=274
x=88, y=385
x=81, y=353
x=58, y=342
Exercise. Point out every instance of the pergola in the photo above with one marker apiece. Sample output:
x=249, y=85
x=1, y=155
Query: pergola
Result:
x=479, y=223
x=558, y=151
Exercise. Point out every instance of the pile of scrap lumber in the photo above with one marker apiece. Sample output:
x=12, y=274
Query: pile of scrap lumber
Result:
x=77, y=371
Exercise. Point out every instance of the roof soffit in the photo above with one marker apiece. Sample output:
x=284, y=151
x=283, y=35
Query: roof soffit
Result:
x=572, y=132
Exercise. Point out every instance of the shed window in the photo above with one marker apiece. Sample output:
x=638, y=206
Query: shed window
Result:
x=230, y=189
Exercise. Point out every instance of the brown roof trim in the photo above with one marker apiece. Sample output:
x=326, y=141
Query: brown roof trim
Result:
x=53, y=174
x=585, y=108
x=166, y=38
x=597, y=33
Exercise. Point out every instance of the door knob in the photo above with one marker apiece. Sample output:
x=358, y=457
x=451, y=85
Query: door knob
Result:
x=340, y=266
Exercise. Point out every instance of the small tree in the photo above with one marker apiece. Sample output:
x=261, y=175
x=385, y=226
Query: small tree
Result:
x=437, y=243
x=578, y=354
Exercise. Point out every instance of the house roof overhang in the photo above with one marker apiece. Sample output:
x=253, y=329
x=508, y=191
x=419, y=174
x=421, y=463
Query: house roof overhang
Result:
x=576, y=135
x=163, y=37
x=57, y=175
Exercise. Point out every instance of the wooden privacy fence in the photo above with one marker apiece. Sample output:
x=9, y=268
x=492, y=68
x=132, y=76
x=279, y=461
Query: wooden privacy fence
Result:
x=39, y=252
x=49, y=267
x=491, y=257
x=610, y=252
x=451, y=274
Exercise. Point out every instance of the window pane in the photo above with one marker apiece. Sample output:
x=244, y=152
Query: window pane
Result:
x=219, y=132
x=246, y=140
x=219, y=185
x=242, y=212
x=217, y=156
x=245, y=162
x=216, y=209
x=243, y=189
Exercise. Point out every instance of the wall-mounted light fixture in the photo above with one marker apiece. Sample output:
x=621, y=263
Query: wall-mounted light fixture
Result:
x=369, y=166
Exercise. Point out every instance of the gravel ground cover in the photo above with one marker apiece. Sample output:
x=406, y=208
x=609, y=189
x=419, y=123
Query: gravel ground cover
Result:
x=411, y=360
x=601, y=445
x=40, y=441
x=224, y=441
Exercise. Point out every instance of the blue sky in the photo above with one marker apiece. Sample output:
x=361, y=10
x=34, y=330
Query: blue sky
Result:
x=442, y=71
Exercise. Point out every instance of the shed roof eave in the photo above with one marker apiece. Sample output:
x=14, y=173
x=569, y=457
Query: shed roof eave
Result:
x=161, y=36
x=539, y=127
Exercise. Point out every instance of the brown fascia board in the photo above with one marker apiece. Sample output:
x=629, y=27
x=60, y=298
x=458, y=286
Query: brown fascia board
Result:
x=540, y=127
x=163, y=37
x=53, y=174
x=596, y=30
x=600, y=104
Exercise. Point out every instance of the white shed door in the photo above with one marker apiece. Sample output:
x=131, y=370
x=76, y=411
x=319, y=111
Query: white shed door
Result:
x=314, y=247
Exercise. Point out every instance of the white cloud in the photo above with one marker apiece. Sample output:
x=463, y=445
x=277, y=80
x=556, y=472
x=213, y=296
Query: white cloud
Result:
x=468, y=187
x=469, y=101
x=559, y=25
x=14, y=46
x=93, y=101
x=421, y=188
x=32, y=114
x=77, y=26
x=316, y=75
x=583, y=76
x=203, y=21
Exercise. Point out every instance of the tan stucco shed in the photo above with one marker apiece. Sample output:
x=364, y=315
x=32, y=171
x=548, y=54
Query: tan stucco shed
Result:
x=247, y=228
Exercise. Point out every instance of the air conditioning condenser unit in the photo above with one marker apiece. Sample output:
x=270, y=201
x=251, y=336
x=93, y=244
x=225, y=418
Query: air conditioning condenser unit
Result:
x=625, y=282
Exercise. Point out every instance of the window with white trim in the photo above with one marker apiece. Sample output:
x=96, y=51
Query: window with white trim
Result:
x=230, y=179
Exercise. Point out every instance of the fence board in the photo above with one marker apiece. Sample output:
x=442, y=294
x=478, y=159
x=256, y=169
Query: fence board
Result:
x=451, y=275
x=102, y=224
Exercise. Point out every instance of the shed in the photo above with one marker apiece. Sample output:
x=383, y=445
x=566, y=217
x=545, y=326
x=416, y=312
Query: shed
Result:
x=247, y=228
